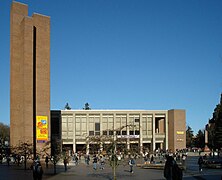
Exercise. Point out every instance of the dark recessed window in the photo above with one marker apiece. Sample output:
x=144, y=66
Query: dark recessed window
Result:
x=91, y=133
x=97, y=126
x=104, y=132
x=110, y=132
x=131, y=132
x=137, y=132
x=117, y=132
x=124, y=133
x=137, y=120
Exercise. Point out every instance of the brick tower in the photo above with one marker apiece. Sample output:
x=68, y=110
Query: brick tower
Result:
x=29, y=76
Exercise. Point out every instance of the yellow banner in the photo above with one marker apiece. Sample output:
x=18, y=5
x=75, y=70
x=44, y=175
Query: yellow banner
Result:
x=42, y=128
x=180, y=132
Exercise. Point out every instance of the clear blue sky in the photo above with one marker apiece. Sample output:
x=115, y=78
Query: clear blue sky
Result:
x=128, y=54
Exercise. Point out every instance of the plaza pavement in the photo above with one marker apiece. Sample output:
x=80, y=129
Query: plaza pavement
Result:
x=84, y=172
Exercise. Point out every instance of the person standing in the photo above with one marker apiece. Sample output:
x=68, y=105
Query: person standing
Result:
x=145, y=159
x=152, y=159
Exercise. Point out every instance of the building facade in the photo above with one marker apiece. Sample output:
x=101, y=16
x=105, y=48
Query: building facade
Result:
x=142, y=130
x=30, y=101
x=29, y=73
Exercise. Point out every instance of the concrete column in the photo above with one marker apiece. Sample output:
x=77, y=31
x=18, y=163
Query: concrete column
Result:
x=114, y=121
x=87, y=124
x=141, y=133
x=100, y=121
x=166, y=132
x=161, y=145
x=154, y=135
x=74, y=134
x=101, y=130
x=87, y=132
x=87, y=149
x=127, y=131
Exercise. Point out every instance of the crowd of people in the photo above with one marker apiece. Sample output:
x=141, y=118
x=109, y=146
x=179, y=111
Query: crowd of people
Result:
x=172, y=171
x=13, y=158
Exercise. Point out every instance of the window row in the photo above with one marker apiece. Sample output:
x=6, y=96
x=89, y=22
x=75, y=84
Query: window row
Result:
x=111, y=133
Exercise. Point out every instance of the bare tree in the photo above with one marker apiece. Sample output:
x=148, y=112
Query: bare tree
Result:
x=109, y=144
x=23, y=149
x=53, y=149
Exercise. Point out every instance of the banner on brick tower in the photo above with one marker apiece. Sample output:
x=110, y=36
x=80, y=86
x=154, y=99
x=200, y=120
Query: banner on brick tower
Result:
x=41, y=128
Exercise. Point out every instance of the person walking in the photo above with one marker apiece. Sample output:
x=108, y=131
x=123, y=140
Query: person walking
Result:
x=75, y=159
x=95, y=160
x=65, y=163
x=102, y=162
x=172, y=170
x=87, y=159
x=8, y=160
x=200, y=163
x=37, y=170
x=184, y=161
x=131, y=164
x=47, y=161
x=168, y=168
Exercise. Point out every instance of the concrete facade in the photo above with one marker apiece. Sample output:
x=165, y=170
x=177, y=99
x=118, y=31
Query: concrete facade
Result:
x=29, y=71
x=150, y=130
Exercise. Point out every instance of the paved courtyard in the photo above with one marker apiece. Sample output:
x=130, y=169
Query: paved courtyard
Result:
x=84, y=172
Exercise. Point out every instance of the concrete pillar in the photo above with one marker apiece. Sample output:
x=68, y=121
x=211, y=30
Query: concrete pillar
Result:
x=74, y=147
x=154, y=133
x=166, y=132
x=141, y=133
x=87, y=148
x=101, y=130
x=87, y=133
x=74, y=134
x=127, y=131
x=161, y=145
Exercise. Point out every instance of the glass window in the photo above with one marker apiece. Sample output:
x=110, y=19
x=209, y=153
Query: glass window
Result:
x=104, y=132
x=110, y=132
x=97, y=126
